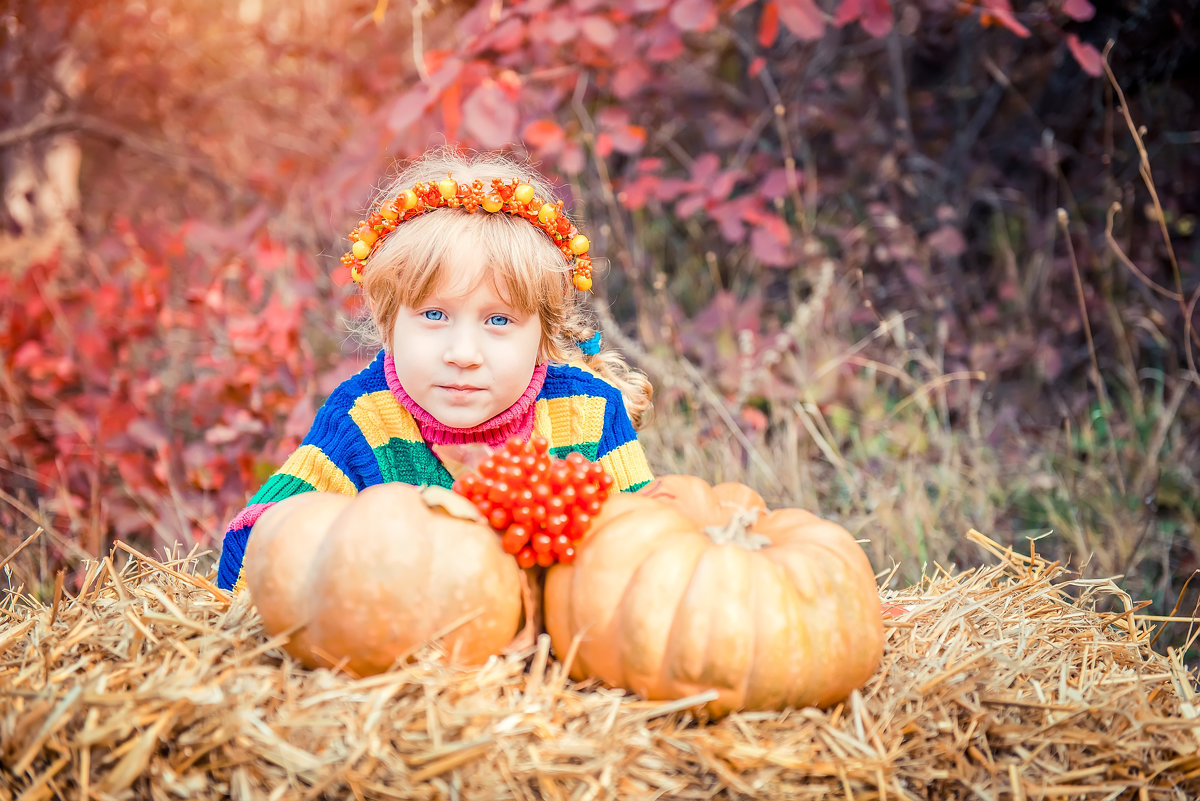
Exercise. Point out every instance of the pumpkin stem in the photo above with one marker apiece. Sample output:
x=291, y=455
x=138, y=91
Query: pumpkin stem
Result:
x=451, y=503
x=737, y=531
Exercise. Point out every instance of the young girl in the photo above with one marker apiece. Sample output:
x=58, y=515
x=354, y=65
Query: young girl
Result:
x=475, y=282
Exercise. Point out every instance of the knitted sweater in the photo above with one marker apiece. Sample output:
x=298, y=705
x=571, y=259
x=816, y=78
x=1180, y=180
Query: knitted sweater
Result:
x=364, y=435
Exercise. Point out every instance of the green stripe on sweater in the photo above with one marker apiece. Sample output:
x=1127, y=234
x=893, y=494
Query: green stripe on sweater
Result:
x=411, y=463
x=280, y=486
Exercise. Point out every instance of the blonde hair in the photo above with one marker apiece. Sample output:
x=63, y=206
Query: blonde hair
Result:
x=526, y=268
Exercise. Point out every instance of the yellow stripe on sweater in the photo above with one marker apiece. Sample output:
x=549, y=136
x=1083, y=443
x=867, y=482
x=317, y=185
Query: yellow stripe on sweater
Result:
x=627, y=465
x=311, y=464
x=381, y=419
x=569, y=421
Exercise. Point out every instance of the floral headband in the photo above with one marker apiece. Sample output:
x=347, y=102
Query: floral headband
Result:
x=515, y=198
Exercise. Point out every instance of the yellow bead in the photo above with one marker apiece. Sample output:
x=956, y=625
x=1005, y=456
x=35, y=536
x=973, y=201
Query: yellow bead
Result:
x=493, y=203
x=582, y=282
x=448, y=187
x=579, y=244
x=388, y=211
x=548, y=213
x=407, y=200
x=361, y=250
x=367, y=234
x=523, y=193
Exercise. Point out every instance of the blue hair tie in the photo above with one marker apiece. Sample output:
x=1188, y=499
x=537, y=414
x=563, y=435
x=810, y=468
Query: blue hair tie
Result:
x=591, y=346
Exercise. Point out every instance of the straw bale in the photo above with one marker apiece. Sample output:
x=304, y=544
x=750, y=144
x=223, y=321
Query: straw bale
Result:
x=1008, y=681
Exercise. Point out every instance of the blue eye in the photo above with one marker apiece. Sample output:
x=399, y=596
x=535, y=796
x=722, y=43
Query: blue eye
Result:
x=434, y=314
x=498, y=319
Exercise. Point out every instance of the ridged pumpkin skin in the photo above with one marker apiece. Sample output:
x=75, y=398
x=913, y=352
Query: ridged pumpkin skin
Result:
x=280, y=550
x=393, y=572
x=708, y=505
x=665, y=612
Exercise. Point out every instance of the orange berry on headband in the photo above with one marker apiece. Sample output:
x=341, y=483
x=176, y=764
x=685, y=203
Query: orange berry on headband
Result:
x=582, y=282
x=448, y=187
x=367, y=234
x=493, y=202
x=407, y=200
x=548, y=213
x=388, y=211
x=523, y=193
x=579, y=244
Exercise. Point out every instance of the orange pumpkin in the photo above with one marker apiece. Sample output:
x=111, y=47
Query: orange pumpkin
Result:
x=377, y=575
x=708, y=505
x=770, y=608
x=280, y=550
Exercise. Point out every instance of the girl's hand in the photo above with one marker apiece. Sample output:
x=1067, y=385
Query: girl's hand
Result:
x=459, y=459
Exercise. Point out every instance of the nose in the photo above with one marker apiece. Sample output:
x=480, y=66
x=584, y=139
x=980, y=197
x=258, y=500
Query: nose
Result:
x=463, y=349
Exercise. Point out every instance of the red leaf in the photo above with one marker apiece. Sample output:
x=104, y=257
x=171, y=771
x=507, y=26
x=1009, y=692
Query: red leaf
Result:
x=847, y=12
x=508, y=35
x=611, y=118
x=556, y=30
x=604, y=144
x=757, y=216
x=802, y=18
x=1001, y=11
x=630, y=78
x=774, y=185
x=452, y=110
x=705, y=167
x=693, y=15
x=876, y=17
x=443, y=68
x=662, y=43
x=767, y=247
x=722, y=187
x=599, y=31
x=1087, y=55
x=629, y=139
x=768, y=24
x=1079, y=10
x=689, y=205
x=572, y=161
x=636, y=193
x=544, y=134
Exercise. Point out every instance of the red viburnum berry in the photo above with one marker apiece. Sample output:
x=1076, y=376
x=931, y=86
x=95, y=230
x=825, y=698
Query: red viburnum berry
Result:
x=539, y=505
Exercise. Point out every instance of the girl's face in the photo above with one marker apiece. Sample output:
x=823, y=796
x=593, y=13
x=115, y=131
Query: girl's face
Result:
x=464, y=354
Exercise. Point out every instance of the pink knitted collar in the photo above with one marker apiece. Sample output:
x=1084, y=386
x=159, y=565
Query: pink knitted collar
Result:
x=516, y=421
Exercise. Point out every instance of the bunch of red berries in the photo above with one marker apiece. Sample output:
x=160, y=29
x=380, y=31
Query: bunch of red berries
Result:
x=540, y=505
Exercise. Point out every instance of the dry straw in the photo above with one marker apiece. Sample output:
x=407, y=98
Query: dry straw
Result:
x=1004, y=682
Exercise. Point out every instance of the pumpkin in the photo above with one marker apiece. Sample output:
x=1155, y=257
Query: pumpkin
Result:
x=375, y=576
x=282, y=546
x=707, y=505
x=772, y=609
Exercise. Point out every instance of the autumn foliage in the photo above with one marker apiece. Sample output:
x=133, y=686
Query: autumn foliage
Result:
x=144, y=399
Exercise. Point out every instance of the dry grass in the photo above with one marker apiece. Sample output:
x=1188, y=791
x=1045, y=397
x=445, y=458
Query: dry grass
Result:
x=1002, y=682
